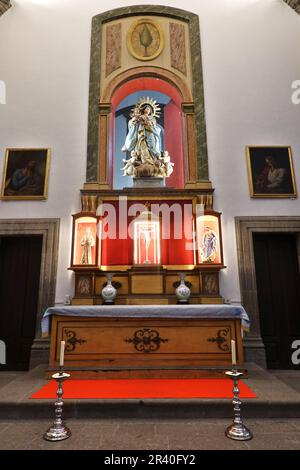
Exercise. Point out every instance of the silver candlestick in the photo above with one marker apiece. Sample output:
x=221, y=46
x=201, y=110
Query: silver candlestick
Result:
x=58, y=431
x=237, y=430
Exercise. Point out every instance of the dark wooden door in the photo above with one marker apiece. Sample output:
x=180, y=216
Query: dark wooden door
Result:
x=278, y=285
x=20, y=261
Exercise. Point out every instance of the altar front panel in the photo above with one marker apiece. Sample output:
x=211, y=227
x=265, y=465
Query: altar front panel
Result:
x=143, y=343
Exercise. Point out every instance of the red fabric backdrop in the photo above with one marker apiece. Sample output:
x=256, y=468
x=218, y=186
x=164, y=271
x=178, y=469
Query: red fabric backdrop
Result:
x=173, y=251
x=174, y=143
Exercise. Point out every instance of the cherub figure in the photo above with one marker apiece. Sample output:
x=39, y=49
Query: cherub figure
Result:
x=130, y=166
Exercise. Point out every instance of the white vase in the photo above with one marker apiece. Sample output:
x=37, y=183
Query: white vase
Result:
x=183, y=292
x=109, y=292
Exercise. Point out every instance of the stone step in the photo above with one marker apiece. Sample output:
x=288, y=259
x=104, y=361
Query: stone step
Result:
x=275, y=399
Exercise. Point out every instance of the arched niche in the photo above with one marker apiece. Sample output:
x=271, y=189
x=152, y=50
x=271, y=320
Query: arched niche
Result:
x=110, y=71
x=173, y=125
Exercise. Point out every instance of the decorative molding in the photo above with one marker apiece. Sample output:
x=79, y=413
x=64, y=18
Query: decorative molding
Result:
x=148, y=71
x=245, y=228
x=105, y=108
x=177, y=45
x=89, y=203
x=188, y=107
x=295, y=4
x=4, y=6
x=113, y=48
x=49, y=229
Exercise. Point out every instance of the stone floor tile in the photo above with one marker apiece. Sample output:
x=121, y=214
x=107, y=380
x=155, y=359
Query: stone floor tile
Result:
x=270, y=426
x=154, y=435
x=287, y=441
x=208, y=441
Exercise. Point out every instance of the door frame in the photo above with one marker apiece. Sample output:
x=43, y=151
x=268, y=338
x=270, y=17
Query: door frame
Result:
x=49, y=229
x=245, y=227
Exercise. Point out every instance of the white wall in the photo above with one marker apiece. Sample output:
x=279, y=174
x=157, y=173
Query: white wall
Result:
x=251, y=55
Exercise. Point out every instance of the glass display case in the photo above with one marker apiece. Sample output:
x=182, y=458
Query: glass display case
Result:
x=146, y=237
x=209, y=238
x=86, y=243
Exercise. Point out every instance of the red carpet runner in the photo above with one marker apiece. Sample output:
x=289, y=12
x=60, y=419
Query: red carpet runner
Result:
x=145, y=388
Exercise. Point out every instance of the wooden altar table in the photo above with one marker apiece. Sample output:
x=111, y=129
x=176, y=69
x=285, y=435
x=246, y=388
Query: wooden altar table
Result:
x=137, y=339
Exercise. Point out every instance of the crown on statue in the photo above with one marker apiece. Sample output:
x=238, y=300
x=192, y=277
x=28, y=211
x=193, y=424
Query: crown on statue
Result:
x=146, y=101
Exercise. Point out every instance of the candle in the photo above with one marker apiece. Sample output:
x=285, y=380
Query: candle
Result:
x=233, y=352
x=62, y=353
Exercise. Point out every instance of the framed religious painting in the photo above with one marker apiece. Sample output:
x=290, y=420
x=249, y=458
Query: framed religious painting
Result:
x=25, y=174
x=271, y=172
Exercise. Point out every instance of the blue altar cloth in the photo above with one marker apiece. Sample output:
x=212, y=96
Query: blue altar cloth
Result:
x=148, y=311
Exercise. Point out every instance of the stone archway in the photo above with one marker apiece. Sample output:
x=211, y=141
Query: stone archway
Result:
x=152, y=72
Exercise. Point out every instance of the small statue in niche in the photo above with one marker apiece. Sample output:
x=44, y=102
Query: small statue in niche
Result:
x=87, y=242
x=209, y=245
x=143, y=142
x=147, y=233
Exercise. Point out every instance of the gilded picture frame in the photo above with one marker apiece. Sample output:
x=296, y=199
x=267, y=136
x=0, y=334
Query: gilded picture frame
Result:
x=271, y=172
x=26, y=174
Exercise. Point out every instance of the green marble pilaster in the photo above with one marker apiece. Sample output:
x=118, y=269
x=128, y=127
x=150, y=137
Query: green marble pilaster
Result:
x=198, y=94
x=94, y=94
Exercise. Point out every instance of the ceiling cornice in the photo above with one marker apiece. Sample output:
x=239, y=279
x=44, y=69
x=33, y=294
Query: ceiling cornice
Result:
x=295, y=4
x=4, y=6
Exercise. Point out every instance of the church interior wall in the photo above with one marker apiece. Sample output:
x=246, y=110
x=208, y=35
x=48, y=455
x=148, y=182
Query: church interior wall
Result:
x=250, y=58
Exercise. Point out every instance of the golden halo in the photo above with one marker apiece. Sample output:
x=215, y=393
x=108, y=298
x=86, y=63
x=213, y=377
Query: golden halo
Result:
x=146, y=101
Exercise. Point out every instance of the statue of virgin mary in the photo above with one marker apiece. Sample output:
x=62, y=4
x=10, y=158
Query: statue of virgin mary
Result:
x=143, y=143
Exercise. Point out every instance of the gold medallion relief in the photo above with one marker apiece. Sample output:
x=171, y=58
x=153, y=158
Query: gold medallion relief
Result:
x=145, y=39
